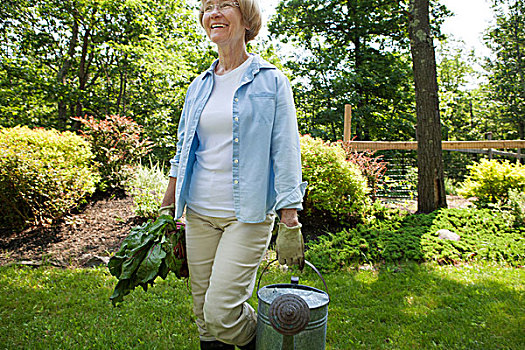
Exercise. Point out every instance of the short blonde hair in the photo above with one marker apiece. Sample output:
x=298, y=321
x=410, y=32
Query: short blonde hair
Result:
x=251, y=16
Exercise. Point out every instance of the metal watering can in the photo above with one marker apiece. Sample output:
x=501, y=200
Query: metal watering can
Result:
x=291, y=316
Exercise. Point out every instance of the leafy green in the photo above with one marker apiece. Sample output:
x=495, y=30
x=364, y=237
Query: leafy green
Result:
x=150, y=250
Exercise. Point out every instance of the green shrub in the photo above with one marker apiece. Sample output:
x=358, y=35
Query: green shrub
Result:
x=516, y=203
x=335, y=186
x=118, y=147
x=513, y=208
x=147, y=187
x=484, y=236
x=43, y=173
x=490, y=181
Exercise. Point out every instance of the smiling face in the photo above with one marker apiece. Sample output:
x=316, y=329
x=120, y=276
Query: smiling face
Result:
x=223, y=23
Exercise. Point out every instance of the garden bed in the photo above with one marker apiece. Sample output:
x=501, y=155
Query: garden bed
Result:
x=82, y=238
x=86, y=237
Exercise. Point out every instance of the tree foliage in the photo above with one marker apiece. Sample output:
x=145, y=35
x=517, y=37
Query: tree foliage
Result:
x=64, y=58
x=465, y=109
x=507, y=67
x=350, y=52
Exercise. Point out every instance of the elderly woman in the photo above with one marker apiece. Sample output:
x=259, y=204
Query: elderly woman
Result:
x=238, y=163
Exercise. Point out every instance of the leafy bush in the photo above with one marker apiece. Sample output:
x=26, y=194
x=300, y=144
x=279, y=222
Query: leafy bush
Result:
x=516, y=203
x=43, y=173
x=513, y=208
x=490, y=181
x=335, y=186
x=451, y=187
x=484, y=236
x=117, y=144
x=147, y=187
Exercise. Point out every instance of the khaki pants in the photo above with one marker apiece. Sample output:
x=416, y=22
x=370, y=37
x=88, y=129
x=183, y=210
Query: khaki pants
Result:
x=223, y=257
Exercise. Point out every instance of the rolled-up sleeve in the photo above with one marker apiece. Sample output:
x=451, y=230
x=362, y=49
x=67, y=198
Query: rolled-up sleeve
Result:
x=286, y=149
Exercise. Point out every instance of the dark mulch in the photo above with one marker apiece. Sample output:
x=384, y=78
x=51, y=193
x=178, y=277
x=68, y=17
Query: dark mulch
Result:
x=85, y=237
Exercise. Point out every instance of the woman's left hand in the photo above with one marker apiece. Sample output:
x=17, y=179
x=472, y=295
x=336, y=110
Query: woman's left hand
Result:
x=290, y=244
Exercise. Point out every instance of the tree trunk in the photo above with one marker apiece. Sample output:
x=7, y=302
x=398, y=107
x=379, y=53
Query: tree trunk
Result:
x=122, y=94
x=431, y=186
x=83, y=71
x=62, y=73
x=519, y=66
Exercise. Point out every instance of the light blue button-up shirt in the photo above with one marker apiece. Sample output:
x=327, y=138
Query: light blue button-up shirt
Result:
x=266, y=152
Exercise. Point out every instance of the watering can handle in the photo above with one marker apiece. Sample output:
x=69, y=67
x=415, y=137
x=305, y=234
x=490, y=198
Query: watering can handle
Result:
x=306, y=262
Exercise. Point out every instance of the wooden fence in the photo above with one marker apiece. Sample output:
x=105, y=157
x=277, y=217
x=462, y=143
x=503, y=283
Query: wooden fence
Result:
x=399, y=179
x=485, y=147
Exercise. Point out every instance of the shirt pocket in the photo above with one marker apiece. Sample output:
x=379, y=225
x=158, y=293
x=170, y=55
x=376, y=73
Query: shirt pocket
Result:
x=263, y=107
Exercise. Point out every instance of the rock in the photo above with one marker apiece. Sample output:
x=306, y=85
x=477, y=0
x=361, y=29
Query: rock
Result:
x=94, y=260
x=449, y=235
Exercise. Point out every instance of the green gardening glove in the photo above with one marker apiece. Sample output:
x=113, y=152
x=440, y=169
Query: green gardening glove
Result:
x=290, y=245
x=167, y=210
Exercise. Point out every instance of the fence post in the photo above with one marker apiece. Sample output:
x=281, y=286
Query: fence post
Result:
x=347, y=132
x=489, y=137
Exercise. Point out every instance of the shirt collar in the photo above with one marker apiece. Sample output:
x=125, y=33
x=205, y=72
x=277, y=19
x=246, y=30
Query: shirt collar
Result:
x=257, y=64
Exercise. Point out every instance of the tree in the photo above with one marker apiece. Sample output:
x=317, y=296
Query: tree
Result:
x=349, y=52
x=431, y=187
x=64, y=58
x=507, y=67
x=459, y=103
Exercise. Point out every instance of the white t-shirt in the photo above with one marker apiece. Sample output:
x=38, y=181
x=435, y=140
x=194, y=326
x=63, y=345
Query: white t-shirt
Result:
x=211, y=185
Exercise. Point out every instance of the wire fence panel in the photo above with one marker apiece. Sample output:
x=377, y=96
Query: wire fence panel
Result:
x=400, y=179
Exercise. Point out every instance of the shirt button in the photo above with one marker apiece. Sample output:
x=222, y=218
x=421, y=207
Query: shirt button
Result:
x=236, y=119
x=236, y=140
x=236, y=161
x=236, y=182
x=236, y=99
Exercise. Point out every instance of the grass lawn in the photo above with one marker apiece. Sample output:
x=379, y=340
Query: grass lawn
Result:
x=407, y=307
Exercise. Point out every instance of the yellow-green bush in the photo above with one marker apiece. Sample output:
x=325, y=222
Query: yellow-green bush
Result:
x=335, y=185
x=43, y=173
x=490, y=180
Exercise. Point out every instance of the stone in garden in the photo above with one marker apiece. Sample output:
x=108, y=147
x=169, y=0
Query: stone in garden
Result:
x=94, y=260
x=449, y=235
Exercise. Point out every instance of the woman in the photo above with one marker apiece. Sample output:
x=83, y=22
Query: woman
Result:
x=237, y=164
